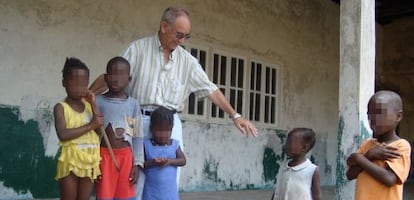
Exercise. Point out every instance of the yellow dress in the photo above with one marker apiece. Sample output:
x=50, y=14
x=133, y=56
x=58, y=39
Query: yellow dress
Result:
x=80, y=155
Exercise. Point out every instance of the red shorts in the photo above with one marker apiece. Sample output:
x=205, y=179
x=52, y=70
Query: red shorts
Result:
x=114, y=184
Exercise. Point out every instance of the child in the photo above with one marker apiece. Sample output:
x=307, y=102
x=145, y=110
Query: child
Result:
x=122, y=124
x=382, y=163
x=162, y=157
x=298, y=178
x=75, y=122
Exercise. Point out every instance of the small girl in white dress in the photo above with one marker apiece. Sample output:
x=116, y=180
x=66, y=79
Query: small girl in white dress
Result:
x=298, y=177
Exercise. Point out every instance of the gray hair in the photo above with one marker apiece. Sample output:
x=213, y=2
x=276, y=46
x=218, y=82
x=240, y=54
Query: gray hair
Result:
x=171, y=13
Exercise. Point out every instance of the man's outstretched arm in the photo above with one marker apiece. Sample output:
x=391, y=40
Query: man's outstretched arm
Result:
x=244, y=125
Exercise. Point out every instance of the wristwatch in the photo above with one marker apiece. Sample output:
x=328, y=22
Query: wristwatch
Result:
x=235, y=116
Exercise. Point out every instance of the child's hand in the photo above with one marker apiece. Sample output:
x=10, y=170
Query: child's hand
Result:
x=160, y=161
x=133, y=176
x=353, y=159
x=382, y=152
x=98, y=179
x=97, y=121
x=90, y=97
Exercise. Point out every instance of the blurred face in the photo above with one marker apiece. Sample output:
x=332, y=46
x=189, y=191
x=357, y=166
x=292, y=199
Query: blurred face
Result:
x=76, y=83
x=176, y=33
x=294, y=145
x=117, y=77
x=161, y=133
x=382, y=116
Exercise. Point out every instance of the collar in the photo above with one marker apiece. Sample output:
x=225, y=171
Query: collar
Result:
x=297, y=167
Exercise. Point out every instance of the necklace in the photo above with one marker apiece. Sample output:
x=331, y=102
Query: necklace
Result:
x=156, y=144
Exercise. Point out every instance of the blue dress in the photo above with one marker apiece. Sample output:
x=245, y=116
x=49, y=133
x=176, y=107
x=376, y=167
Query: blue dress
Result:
x=160, y=182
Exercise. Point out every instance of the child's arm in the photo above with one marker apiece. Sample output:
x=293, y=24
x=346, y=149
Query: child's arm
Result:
x=316, y=189
x=383, y=175
x=381, y=152
x=137, y=145
x=180, y=160
x=99, y=85
x=353, y=169
x=138, y=154
x=353, y=172
x=148, y=163
x=64, y=133
x=156, y=162
x=90, y=97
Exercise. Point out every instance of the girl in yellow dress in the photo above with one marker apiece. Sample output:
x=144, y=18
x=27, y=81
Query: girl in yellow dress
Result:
x=75, y=122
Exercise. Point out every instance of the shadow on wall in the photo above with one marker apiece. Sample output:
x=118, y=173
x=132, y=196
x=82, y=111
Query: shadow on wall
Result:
x=23, y=164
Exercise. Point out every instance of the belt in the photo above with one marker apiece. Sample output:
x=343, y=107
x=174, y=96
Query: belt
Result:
x=149, y=112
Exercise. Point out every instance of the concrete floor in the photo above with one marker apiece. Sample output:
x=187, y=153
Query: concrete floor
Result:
x=328, y=193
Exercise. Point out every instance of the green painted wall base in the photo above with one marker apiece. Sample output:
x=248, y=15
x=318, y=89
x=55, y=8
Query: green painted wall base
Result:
x=23, y=166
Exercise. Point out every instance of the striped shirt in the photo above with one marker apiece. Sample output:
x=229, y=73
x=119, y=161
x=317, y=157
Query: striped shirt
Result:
x=155, y=82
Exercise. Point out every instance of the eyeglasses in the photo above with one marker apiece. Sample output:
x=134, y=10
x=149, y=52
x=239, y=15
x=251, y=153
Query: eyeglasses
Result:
x=180, y=36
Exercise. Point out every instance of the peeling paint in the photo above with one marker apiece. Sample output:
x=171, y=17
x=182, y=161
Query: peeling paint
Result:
x=40, y=110
x=24, y=168
x=271, y=160
x=365, y=133
x=340, y=169
x=210, y=171
x=8, y=193
x=271, y=164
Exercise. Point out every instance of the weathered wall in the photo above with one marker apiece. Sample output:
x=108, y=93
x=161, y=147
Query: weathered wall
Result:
x=35, y=37
x=396, y=71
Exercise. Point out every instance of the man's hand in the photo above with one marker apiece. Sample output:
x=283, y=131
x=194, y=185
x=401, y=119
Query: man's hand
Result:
x=245, y=126
x=382, y=152
x=133, y=176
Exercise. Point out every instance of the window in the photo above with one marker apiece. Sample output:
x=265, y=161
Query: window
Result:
x=262, y=94
x=252, y=88
x=228, y=74
x=196, y=107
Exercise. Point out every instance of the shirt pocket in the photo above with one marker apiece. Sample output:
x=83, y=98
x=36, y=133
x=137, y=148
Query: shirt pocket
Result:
x=172, y=92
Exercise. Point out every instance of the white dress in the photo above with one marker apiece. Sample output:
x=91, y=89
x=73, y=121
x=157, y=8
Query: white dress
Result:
x=294, y=183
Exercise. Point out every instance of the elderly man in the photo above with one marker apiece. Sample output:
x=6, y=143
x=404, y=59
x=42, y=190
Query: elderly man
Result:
x=165, y=74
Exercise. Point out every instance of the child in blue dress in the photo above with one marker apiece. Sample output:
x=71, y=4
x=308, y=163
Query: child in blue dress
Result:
x=162, y=157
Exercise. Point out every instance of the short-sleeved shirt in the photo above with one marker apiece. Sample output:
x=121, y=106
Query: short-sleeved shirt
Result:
x=125, y=114
x=155, y=82
x=368, y=187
